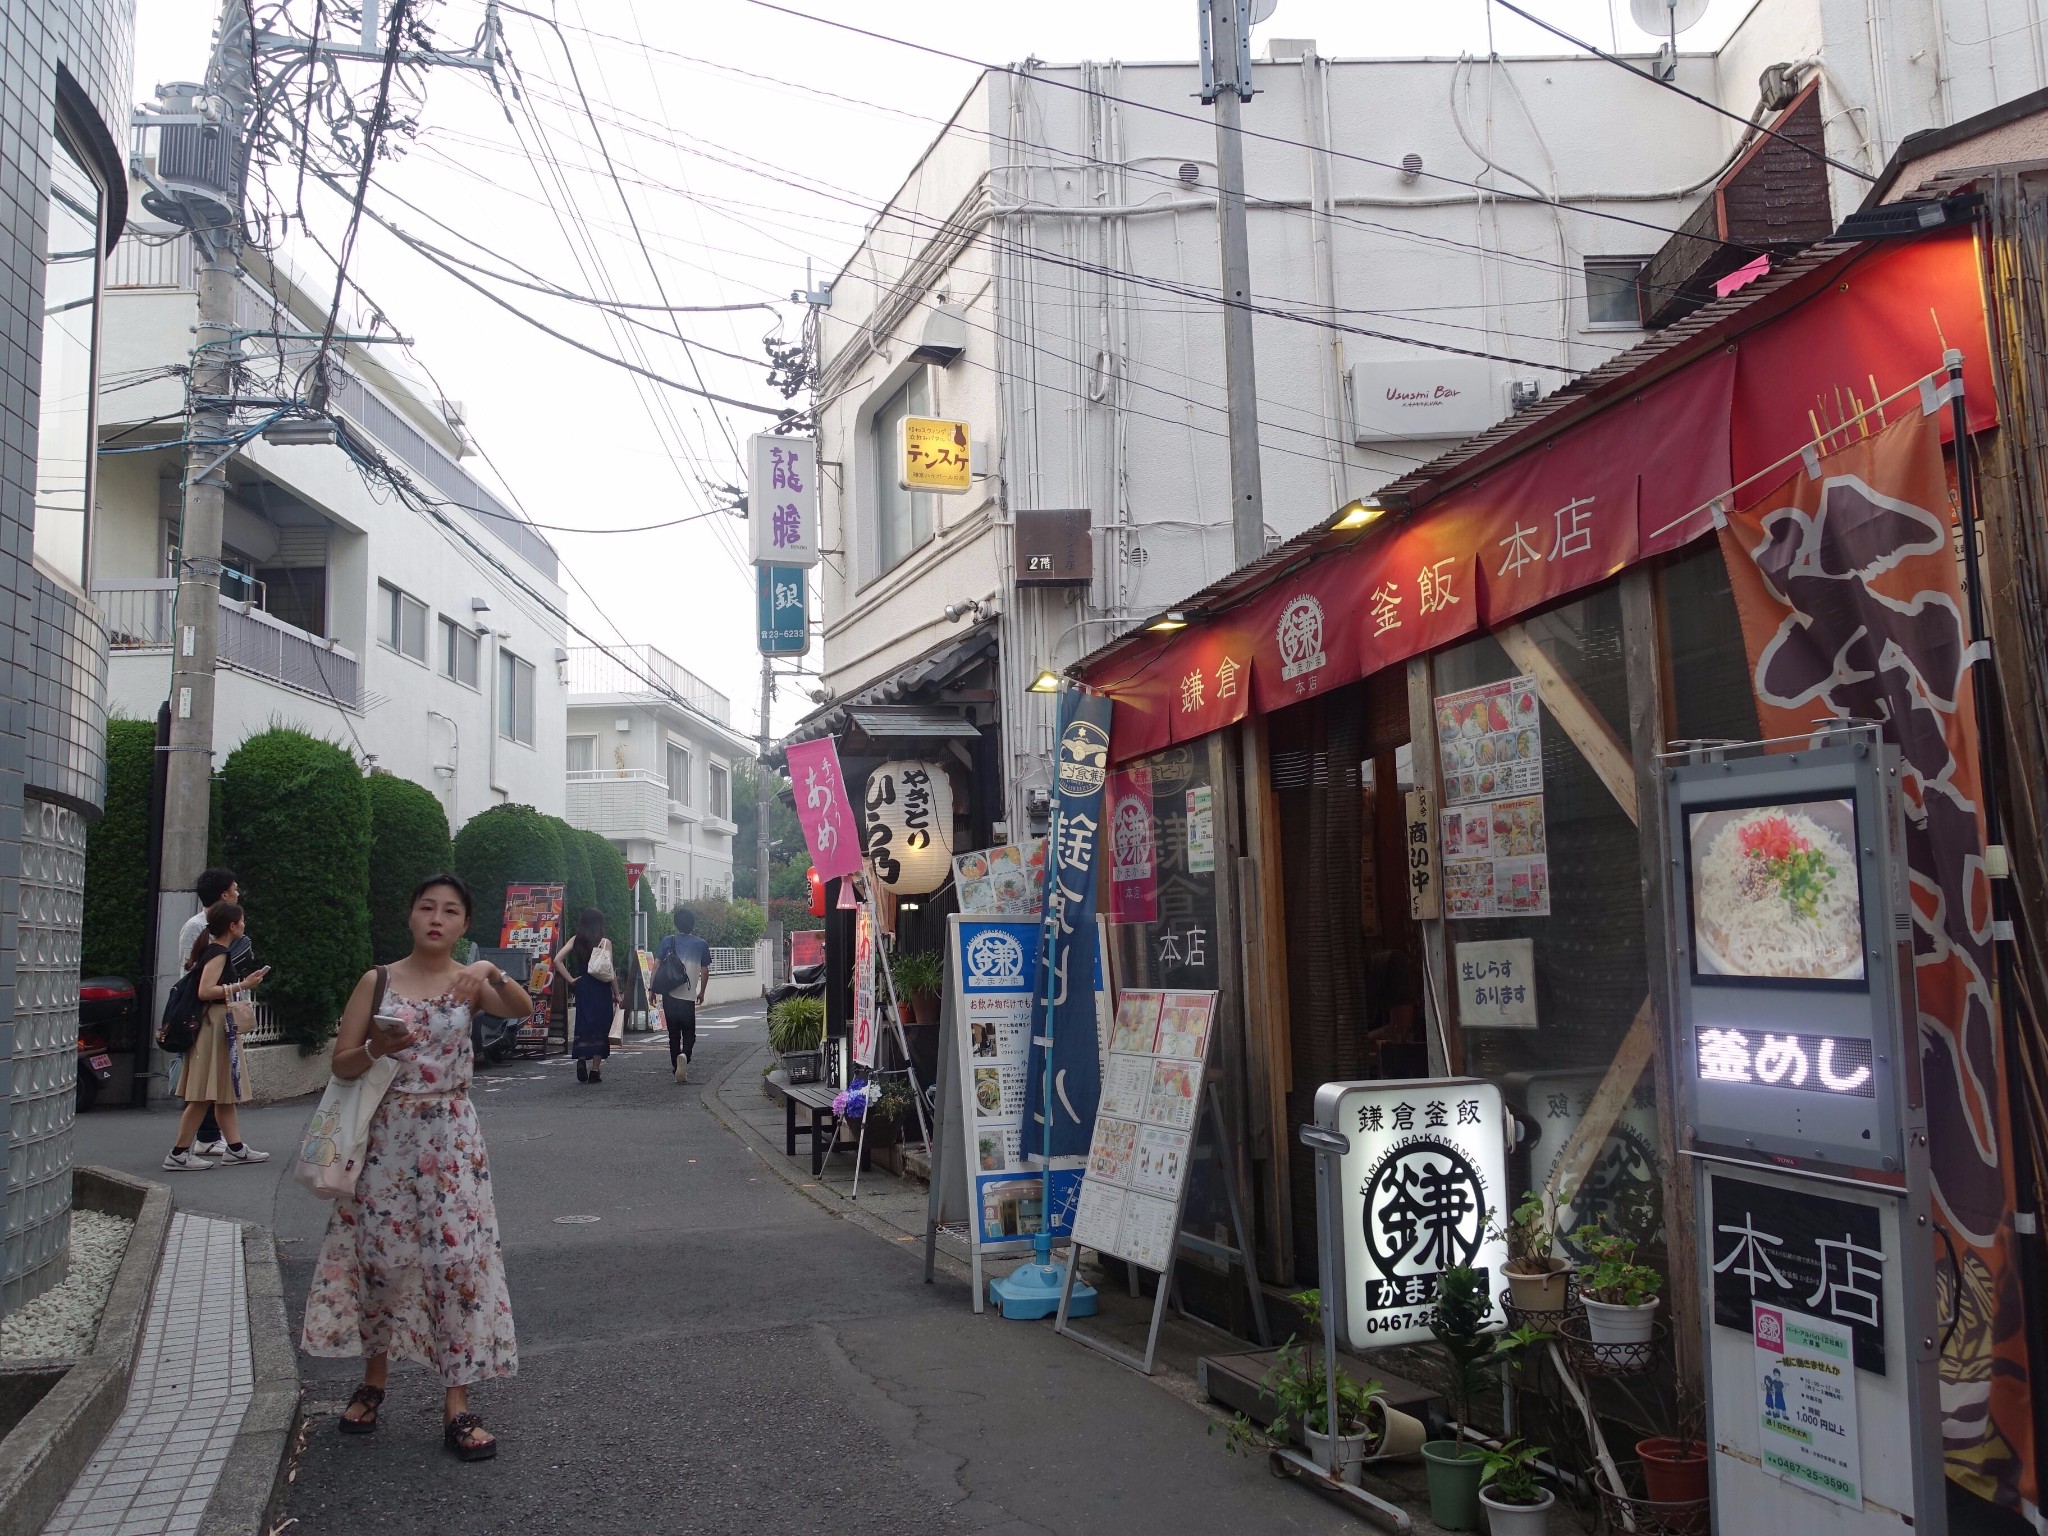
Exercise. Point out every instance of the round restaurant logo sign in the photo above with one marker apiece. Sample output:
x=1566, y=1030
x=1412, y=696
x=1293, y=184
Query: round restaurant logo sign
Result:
x=1425, y=1209
x=1299, y=635
x=1132, y=829
x=1084, y=758
x=994, y=959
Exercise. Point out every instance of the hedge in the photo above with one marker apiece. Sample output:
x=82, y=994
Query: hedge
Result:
x=608, y=883
x=117, y=916
x=728, y=924
x=506, y=845
x=296, y=831
x=408, y=842
x=582, y=882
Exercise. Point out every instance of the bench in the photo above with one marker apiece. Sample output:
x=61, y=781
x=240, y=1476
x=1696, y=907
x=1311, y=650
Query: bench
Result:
x=824, y=1124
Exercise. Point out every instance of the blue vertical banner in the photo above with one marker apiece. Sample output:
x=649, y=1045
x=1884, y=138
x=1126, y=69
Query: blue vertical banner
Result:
x=783, y=608
x=1067, y=935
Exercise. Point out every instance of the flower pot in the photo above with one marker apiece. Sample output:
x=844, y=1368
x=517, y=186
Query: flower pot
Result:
x=1616, y=1330
x=927, y=1006
x=1538, y=1293
x=1350, y=1452
x=1673, y=1472
x=1517, y=1519
x=1395, y=1434
x=1454, y=1472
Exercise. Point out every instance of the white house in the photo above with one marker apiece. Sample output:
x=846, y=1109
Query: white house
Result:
x=1434, y=243
x=430, y=644
x=651, y=750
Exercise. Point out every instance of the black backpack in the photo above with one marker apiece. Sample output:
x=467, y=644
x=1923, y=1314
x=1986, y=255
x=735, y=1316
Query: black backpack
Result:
x=183, y=1014
x=668, y=971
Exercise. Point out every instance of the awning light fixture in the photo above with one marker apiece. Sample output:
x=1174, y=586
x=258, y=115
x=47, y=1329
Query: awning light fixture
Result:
x=1358, y=514
x=1168, y=622
x=1047, y=681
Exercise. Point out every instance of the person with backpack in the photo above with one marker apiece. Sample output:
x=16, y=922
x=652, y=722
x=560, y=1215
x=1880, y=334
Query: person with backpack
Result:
x=212, y=887
x=682, y=970
x=212, y=1078
x=586, y=961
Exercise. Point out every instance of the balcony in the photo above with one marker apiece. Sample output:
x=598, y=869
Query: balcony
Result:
x=642, y=672
x=622, y=804
x=138, y=615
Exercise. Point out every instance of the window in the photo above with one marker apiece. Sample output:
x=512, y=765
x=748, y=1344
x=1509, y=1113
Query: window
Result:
x=582, y=754
x=71, y=306
x=1613, y=284
x=903, y=521
x=515, y=698
x=460, y=650
x=677, y=764
x=721, y=793
x=401, y=622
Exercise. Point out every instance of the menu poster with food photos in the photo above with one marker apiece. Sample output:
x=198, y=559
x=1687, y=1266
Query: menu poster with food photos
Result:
x=1137, y=1170
x=1496, y=861
x=1490, y=741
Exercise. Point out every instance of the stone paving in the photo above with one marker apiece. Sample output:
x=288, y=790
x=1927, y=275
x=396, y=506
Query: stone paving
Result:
x=158, y=1465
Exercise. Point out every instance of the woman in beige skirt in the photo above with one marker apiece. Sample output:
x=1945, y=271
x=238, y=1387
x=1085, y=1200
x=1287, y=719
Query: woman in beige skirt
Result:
x=213, y=1066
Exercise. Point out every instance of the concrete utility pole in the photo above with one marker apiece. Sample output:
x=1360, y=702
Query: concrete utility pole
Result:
x=1227, y=81
x=762, y=787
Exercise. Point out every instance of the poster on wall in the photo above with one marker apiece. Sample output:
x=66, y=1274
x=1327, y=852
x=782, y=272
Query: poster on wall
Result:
x=863, y=988
x=1006, y=881
x=1496, y=862
x=1138, y=1158
x=533, y=922
x=1133, y=848
x=1806, y=1403
x=1490, y=741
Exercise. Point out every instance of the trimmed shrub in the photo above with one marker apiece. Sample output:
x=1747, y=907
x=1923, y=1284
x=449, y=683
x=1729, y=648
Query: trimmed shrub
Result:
x=582, y=890
x=792, y=912
x=408, y=842
x=117, y=912
x=728, y=924
x=506, y=845
x=296, y=831
x=608, y=881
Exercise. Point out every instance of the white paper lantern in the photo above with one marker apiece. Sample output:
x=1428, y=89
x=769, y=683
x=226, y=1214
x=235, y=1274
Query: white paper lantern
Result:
x=910, y=826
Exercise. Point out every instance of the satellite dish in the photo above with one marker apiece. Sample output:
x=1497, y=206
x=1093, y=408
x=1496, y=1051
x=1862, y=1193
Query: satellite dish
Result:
x=1262, y=9
x=1666, y=18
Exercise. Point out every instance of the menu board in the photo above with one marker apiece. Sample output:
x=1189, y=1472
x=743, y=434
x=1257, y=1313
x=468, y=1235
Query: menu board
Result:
x=1493, y=843
x=533, y=922
x=1137, y=1168
x=1490, y=741
x=1007, y=881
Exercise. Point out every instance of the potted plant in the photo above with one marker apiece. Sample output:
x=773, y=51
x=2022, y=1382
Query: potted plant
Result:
x=1516, y=1504
x=888, y=1102
x=796, y=1030
x=919, y=976
x=1620, y=1295
x=1536, y=1275
x=1460, y=1327
x=1675, y=1469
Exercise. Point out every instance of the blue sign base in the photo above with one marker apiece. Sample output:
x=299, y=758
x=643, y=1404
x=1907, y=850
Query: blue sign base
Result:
x=1032, y=1291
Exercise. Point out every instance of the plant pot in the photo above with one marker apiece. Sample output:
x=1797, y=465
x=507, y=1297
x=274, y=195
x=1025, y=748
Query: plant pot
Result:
x=1350, y=1453
x=1619, y=1328
x=1517, y=1519
x=1396, y=1434
x=927, y=1006
x=1454, y=1473
x=1673, y=1472
x=1539, y=1293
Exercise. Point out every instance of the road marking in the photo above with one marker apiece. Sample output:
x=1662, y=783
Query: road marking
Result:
x=576, y=1221
x=718, y=1026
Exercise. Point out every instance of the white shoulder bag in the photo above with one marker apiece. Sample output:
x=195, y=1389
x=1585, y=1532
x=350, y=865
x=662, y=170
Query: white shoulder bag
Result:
x=601, y=962
x=331, y=1152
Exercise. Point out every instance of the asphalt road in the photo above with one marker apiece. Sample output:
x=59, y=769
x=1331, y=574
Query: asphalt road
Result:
x=715, y=1353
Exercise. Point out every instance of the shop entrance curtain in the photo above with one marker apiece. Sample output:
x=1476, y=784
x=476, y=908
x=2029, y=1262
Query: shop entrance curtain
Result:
x=1847, y=590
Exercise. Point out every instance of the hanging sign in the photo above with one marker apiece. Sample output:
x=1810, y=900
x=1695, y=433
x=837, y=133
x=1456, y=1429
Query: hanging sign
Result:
x=1806, y=1398
x=863, y=987
x=1067, y=926
x=782, y=499
x=822, y=809
x=910, y=826
x=1428, y=1162
x=934, y=455
x=1496, y=983
x=782, y=610
x=1424, y=896
x=1133, y=848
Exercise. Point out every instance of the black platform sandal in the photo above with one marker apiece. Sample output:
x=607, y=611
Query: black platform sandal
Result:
x=365, y=1396
x=456, y=1438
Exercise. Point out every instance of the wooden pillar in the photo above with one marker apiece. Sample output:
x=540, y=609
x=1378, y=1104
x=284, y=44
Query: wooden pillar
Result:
x=1446, y=1046
x=1233, y=1019
x=1269, y=1041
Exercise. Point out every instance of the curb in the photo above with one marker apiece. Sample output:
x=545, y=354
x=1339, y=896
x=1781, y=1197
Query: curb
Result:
x=55, y=1441
x=250, y=1493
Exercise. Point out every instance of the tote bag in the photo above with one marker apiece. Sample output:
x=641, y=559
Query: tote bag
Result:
x=331, y=1152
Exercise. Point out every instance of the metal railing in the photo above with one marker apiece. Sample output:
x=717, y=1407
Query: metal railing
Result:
x=268, y=1031
x=731, y=962
x=139, y=618
x=646, y=672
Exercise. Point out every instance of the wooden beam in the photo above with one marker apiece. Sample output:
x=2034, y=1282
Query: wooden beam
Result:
x=1446, y=1044
x=1609, y=1099
x=1605, y=752
x=1269, y=1040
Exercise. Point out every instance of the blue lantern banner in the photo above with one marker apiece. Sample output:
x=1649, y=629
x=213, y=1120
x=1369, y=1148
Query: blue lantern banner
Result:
x=1067, y=936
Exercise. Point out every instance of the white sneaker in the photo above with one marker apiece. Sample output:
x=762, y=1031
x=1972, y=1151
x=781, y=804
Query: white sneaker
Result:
x=248, y=1154
x=215, y=1148
x=682, y=1069
x=185, y=1162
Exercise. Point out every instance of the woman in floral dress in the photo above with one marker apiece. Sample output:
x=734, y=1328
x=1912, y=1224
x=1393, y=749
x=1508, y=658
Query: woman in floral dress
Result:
x=411, y=1265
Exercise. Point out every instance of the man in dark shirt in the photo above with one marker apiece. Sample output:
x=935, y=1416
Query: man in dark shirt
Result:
x=679, y=1007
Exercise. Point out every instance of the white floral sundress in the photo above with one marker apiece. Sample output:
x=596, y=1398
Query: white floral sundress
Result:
x=411, y=1265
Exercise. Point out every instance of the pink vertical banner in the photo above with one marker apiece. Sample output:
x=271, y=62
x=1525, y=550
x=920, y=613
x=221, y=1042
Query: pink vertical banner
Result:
x=1133, y=847
x=823, y=807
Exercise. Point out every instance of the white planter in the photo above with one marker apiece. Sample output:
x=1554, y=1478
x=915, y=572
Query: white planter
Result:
x=1517, y=1519
x=1350, y=1461
x=1611, y=1324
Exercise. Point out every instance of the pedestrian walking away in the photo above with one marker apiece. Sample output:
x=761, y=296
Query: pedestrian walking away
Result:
x=587, y=961
x=212, y=886
x=411, y=1264
x=685, y=955
x=212, y=1080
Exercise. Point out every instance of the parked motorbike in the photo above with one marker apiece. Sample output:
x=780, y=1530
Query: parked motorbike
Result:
x=104, y=1004
x=491, y=1038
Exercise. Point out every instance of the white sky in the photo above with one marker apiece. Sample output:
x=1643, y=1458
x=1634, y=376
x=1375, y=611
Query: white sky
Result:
x=581, y=443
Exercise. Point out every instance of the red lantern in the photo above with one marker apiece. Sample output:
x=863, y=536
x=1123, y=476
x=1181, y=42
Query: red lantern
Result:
x=817, y=893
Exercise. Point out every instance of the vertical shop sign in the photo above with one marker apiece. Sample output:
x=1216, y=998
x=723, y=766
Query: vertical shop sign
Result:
x=1067, y=925
x=822, y=808
x=1133, y=848
x=782, y=500
x=863, y=987
x=1424, y=896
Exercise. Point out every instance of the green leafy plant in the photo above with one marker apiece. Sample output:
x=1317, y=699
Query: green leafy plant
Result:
x=796, y=1024
x=918, y=973
x=506, y=845
x=1460, y=1329
x=891, y=1101
x=1531, y=1235
x=1611, y=1273
x=727, y=924
x=117, y=911
x=1511, y=1473
x=1297, y=1383
x=408, y=841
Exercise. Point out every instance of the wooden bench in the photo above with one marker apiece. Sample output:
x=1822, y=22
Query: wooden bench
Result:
x=824, y=1124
